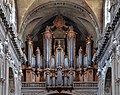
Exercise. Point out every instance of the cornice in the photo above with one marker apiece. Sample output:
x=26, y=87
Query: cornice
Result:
x=10, y=30
x=106, y=38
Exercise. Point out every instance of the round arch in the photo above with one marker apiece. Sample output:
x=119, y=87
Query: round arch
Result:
x=79, y=12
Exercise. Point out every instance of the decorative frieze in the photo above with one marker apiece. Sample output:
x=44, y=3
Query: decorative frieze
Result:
x=12, y=33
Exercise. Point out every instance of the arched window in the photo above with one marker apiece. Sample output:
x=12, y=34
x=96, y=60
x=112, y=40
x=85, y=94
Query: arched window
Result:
x=107, y=12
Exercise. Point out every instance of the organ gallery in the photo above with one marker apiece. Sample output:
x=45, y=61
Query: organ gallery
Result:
x=59, y=56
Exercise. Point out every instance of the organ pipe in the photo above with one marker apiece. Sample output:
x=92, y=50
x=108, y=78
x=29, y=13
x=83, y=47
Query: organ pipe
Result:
x=41, y=62
x=80, y=57
x=71, y=40
x=59, y=63
x=47, y=46
x=53, y=63
x=33, y=62
x=38, y=57
x=77, y=62
x=30, y=51
x=89, y=51
x=85, y=64
x=66, y=62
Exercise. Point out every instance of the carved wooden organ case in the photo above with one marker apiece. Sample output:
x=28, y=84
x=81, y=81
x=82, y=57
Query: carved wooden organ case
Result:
x=59, y=65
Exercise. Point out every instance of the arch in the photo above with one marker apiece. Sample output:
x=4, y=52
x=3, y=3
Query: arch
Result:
x=37, y=14
x=11, y=87
x=108, y=82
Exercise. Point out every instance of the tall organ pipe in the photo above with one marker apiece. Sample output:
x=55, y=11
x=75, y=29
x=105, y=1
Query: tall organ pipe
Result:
x=47, y=46
x=38, y=57
x=30, y=52
x=71, y=39
x=80, y=57
x=89, y=51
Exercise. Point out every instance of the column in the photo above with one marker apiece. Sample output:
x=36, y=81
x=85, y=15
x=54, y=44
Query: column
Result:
x=6, y=69
x=114, y=62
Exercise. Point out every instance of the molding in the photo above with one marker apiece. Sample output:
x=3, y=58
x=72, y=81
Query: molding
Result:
x=9, y=29
x=107, y=36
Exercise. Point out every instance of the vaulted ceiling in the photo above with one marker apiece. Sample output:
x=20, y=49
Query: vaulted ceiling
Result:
x=86, y=15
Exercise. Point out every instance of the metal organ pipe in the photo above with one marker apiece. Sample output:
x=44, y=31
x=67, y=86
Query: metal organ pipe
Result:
x=33, y=62
x=41, y=62
x=38, y=57
x=80, y=57
x=77, y=62
x=53, y=70
x=85, y=61
x=89, y=51
x=30, y=52
x=65, y=71
x=66, y=62
x=59, y=63
x=53, y=63
x=71, y=40
x=47, y=44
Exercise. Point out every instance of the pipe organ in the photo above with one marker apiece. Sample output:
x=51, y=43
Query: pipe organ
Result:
x=64, y=66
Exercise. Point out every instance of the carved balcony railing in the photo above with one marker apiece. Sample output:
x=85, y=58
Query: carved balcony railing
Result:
x=33, y=85
x=37, y=88
x=76, y=85
x=85, y=85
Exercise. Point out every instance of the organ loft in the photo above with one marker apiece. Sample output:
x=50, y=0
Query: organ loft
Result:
x=59, y=56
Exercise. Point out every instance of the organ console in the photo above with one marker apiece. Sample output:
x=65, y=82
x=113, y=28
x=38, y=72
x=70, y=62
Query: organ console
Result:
x=60, y=69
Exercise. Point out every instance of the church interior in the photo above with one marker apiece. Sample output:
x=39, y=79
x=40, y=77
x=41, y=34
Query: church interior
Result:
x=59, y=47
